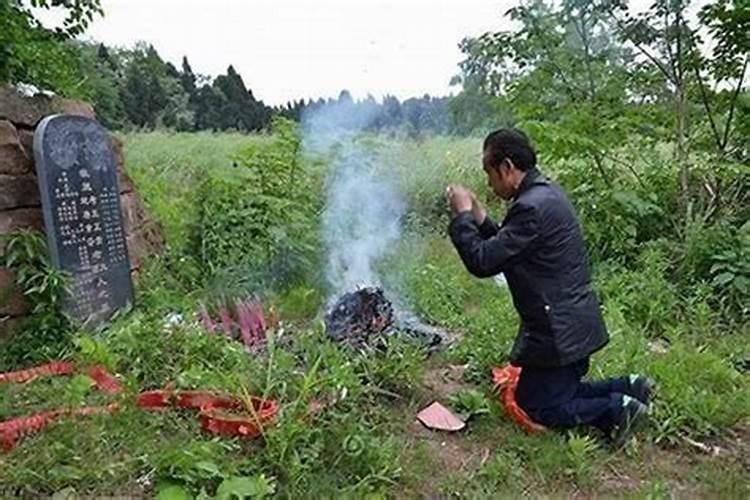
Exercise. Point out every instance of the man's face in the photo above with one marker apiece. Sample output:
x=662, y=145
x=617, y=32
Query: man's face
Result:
x=498, y=177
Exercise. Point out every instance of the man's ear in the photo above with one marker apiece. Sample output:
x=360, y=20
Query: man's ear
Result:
x=505, y=164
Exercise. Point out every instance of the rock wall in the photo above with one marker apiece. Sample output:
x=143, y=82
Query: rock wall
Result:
x=20, y=206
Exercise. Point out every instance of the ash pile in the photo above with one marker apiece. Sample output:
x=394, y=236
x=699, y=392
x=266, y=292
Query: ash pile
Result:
x=365, y=318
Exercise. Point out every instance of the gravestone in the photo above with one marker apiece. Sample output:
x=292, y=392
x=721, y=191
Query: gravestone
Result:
x=80, y=196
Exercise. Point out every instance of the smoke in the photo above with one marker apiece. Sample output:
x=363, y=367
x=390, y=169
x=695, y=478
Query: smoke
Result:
x=364, y=205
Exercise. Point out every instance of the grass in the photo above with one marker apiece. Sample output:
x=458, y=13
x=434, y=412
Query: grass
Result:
x=365, y=442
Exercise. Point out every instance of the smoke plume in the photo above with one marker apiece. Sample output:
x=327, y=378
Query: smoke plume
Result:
x=364, y=206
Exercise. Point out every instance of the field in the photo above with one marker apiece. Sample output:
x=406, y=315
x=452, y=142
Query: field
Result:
x=243, y=216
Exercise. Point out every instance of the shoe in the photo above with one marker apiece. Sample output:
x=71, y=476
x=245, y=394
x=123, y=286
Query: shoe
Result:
x=641, y=388
x=633, y=414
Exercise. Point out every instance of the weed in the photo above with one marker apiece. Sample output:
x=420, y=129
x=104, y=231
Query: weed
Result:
x=469, y=402
x=45, y=334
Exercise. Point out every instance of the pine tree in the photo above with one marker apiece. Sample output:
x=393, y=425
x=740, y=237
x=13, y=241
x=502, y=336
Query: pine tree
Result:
x=187, y=77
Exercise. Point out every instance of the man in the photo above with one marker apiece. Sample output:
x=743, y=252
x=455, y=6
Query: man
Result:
x=540, y=249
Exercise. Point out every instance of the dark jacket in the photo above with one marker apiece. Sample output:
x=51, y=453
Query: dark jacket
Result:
x=539, y=248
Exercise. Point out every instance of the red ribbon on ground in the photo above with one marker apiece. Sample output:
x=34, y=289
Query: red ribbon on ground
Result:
x=21, y=376
x=505, y=379
x=12, y=430
x=219, y=414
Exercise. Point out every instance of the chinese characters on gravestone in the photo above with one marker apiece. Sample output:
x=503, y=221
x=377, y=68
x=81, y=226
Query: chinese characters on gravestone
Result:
x=81, y=203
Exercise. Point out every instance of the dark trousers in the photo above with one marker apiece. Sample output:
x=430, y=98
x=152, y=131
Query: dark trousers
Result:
x=558, y=399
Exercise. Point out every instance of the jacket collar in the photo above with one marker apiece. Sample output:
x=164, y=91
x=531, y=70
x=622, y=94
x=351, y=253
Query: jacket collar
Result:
x=532, y=176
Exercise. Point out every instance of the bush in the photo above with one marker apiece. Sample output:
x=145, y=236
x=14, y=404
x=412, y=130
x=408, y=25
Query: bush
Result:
x=45, y=333
x=257, y=222
x=646, y=295
x=619, y=217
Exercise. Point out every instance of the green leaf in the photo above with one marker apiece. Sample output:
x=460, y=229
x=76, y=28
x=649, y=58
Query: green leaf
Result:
x=209, y=467
x=716, y=267
x=742, y=284
x=245, y=487
x=173, y=492
x=723, y=278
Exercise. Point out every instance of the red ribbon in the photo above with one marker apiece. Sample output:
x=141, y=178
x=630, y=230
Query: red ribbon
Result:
x=219, y=414
x=506, y=380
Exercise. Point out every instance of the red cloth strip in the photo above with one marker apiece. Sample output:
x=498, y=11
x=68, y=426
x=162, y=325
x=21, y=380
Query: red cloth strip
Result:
x=506, y=380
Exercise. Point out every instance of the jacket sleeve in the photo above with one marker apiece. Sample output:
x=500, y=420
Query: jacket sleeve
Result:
x=488, y=228
x=487, y=257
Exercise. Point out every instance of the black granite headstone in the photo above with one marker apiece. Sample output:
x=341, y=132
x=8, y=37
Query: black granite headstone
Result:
x=81, y=203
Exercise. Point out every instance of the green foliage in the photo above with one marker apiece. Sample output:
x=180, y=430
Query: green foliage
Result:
x=95, y=352
x=260, y=218
x=79, y=14
x=45, y=333
x=731, y=270
x=505, y=470
x=469, y=402
x=192, y=466
x=31, y=53
x=699, y=394
x=655, y=285
x=651, y=300
x=560, y=67
x=172, y=492
x=169, y=167
x=300, y=303
x=443, y=292
x=617, y=221
x=582, y=452
x=245, y=487
x=241, y=214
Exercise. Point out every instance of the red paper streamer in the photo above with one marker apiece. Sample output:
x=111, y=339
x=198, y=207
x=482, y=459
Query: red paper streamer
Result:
x=506, y=380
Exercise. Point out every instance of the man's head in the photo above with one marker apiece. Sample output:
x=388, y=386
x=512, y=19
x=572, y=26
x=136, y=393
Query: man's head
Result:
x=507, y=156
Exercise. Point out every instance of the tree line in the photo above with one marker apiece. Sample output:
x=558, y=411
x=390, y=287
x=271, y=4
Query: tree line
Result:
x=590, y=70
x=137, y=88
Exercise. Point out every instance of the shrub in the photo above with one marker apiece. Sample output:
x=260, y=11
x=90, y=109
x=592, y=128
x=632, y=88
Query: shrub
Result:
x=258, y=216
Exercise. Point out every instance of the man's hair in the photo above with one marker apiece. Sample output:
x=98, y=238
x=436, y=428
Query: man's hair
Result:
x=510, y=143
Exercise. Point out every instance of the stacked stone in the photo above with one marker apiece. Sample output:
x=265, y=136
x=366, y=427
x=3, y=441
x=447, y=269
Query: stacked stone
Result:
x=20, y=205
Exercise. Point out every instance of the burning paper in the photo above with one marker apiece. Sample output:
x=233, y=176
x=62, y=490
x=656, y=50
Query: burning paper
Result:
x=365, y=317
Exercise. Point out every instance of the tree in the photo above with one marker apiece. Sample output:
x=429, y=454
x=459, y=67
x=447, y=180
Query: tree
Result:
x=209, y=102
x=31, y=53
x=103, y=83
x=240, y=111
x=187, y=77
x=474, y=110
x=728, y=22
x=143, y=95
x=667, y=42
x=559, y=66
x=392, y=112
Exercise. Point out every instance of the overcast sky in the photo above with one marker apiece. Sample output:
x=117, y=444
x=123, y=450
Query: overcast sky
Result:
x=288, y=49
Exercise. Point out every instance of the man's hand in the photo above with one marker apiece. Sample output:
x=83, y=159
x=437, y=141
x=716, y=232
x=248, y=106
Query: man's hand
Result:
x=480, y=214
x=460, y=198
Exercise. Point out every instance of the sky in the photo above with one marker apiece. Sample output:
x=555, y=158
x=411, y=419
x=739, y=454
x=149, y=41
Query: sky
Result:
x=289, y=49
x=292, y=49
